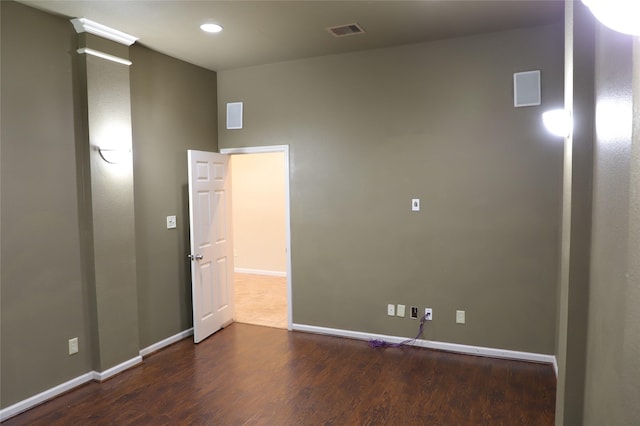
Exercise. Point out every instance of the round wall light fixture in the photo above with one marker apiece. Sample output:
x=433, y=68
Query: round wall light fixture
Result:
x=557, y=122
x=619, y=15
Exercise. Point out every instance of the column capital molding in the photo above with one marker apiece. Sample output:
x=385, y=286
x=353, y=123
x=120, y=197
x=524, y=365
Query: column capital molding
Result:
x=83, y=25
x=112, y=58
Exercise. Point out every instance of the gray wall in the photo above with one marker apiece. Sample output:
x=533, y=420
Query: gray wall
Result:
x=576, y=219
x=44, y=298
x=48, y=292
x=173, y=109
x=109, y=197
x=368, y=131
x=613, y=351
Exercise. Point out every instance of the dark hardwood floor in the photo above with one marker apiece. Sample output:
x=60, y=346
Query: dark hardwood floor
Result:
x=251, y=375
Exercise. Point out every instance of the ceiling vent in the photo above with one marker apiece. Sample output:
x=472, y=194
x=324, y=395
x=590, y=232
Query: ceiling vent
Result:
x=346, y=30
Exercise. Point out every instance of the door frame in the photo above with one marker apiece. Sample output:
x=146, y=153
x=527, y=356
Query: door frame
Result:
x=284, y=149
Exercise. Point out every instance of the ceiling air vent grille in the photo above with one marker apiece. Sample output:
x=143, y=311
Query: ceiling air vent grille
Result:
x=346, y=30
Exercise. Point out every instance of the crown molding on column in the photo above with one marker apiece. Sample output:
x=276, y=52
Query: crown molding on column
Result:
x=83, y=25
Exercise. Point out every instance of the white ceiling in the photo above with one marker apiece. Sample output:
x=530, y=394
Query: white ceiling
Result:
x=264, y=31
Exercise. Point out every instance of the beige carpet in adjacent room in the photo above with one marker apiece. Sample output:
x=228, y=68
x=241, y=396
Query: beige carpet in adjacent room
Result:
x=261, y=300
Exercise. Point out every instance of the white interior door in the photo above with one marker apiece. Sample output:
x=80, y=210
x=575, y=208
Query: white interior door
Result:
x=211, y=242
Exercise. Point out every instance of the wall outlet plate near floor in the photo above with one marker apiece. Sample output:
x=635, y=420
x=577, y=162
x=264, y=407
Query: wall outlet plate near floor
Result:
x=428, y=313
x=414, y=312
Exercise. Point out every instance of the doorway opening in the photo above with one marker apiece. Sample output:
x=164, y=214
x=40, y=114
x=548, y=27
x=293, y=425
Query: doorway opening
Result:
x=261, y=235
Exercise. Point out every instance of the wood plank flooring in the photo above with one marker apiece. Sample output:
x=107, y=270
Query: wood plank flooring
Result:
x=251, y=375
x=260, y=300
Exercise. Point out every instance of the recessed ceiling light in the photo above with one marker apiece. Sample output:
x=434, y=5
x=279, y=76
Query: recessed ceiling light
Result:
x=211, y=28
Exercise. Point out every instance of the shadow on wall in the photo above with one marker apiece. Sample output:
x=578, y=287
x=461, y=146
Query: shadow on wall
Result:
x=186, y=292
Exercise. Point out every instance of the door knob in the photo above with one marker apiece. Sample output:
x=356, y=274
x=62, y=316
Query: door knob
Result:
x=195, y=257
x=198, y=257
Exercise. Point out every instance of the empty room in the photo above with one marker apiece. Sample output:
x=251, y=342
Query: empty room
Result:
x=457, y=238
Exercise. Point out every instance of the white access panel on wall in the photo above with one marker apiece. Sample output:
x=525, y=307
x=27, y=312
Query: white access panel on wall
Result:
x=234, y=115
x=526, y=88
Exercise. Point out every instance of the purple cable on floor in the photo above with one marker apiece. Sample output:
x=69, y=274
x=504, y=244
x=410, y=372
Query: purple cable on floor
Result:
x=377, y=343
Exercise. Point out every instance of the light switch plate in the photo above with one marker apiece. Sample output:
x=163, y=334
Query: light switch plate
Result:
x=415, y=204
x=460, y=317
x=171, y=222
x=400, y=310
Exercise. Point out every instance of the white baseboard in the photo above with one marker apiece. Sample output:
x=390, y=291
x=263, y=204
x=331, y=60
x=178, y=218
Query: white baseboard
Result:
x=104, y=375
x=449, y=347
x=260, y=272
x=166, y=342
x=28, y=403
x=555, y=366
x=38, y=399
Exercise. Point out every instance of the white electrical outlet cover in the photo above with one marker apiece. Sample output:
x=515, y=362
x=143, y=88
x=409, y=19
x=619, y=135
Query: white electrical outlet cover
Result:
x=430, y=312
x=460, y=317
x=391, y=310
x=400, y=310
x=73, y=346
x=171, y=222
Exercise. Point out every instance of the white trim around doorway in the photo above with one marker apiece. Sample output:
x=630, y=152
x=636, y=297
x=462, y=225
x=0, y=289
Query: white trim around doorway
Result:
x=284, y=149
